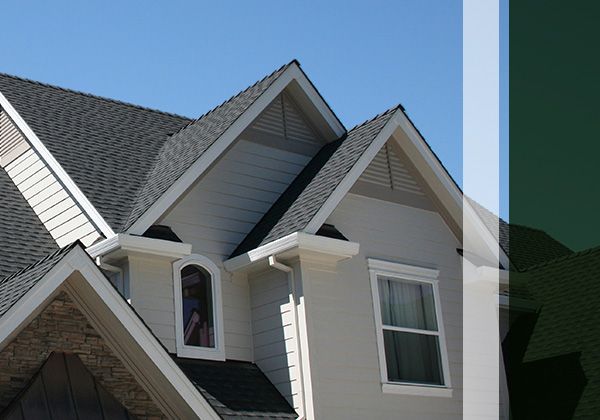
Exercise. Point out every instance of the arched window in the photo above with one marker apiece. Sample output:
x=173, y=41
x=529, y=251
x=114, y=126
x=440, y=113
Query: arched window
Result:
x=198, y=310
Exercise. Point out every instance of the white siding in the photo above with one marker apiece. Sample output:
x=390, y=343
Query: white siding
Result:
x=42, y=190
x=274, y=333
x=221, y=209
x=151, y=286
x=344, y=357
x=12, y=143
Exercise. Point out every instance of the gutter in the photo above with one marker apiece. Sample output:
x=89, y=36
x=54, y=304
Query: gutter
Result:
x=293, y=245
x=124, y=244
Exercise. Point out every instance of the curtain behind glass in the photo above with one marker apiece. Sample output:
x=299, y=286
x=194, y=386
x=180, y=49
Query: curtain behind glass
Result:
x=407, y=304
x=410, y=357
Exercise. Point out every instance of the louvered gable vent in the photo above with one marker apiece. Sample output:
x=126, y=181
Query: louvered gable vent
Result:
x=387, y=170
x=284, y=119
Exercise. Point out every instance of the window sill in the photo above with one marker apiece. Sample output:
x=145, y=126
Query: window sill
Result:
x=200, y=353
x=420, y=390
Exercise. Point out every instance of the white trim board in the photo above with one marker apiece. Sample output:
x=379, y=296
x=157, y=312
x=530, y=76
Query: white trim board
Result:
x=95, y=218
x=405, y=272
x=292, y=74
x=172, y=391
x=184, y=350
x=453, y=197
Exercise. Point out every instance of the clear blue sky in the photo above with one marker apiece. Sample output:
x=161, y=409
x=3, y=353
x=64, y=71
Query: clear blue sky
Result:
x=188, y=56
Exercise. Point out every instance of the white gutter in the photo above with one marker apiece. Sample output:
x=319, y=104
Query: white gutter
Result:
x=124, y=244
x=293, y=245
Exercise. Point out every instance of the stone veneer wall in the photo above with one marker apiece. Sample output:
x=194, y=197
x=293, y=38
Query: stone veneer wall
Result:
x=62, y=327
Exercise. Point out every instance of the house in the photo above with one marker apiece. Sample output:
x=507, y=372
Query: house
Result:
x=260, y=261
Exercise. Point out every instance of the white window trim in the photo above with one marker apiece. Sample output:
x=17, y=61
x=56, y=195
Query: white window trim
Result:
x=183, y=350
x=418, y=274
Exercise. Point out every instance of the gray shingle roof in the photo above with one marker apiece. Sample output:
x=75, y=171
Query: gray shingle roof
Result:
x=23, y=238
x=184, y=147
x=107, y=147
x=524, y=246
x=236, y=390
x=554, y=362
x=312, y=187
x=122, y=156
x=14, y=286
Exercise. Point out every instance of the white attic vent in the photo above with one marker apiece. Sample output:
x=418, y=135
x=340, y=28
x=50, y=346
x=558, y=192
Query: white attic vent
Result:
x=55, y=208
x=283, y=119
x=387, y=170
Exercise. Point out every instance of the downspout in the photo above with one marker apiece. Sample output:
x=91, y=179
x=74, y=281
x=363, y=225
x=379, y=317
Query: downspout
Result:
x=292, y=286
x=113, y=269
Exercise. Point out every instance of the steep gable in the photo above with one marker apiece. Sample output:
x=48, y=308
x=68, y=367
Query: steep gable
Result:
x=61, y=327
x=391, y=177
x=313, y=186
x=185, y=146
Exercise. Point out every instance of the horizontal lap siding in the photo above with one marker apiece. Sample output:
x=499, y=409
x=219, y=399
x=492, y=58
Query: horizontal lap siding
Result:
x=151, y=286
x=273, y=333
x=45, y=194
x=218, y=213
x=346, y=376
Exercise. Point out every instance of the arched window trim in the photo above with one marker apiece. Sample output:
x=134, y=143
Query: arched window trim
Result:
x=183, y=350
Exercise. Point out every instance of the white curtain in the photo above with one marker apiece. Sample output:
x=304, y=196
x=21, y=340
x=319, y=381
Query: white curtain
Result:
x=411, y=357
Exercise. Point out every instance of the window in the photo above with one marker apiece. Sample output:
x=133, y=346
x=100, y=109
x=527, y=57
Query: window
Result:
x=198, y=308
x=410, y=337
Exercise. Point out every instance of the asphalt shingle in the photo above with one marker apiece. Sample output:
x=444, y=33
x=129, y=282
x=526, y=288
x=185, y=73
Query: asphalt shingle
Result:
x=553, y=353
x=107, y=147
x=524, y=246
x=296, y=207
x=184, y=147
x=236, y=390
x=23, y=238
x=14, y=286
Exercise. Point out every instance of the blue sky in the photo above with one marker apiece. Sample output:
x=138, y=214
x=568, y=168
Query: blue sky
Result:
x=187, y=57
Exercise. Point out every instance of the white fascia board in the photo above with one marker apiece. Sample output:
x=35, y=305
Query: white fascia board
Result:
x=419, y=143
x=361, y=164
x=96, y=219
x=128, y=244
x=292, y=245
x=179, y=187
x=76, y=260
x=400, y=120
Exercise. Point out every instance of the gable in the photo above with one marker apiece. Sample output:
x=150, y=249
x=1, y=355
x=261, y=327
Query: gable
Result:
x=283, y=125
x=233, y=196
x=244, y=183
x=61, y=327
x=391, y=177
x=64, y=387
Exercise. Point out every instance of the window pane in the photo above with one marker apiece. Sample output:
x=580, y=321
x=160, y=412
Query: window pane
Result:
x=412, y=357
x=407, y=304
x=196, y=291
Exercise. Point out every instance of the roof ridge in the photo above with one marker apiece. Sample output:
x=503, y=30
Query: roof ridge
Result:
x=91, y=95
x=42, y=260
x=381, y=114
x=191, y=123
x=226, y=101
x=563, y=258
